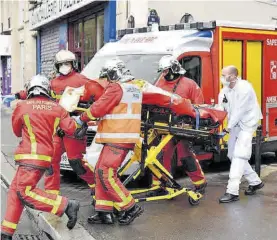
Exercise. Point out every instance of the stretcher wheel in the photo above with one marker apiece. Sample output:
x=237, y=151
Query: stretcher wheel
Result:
x=193, y=202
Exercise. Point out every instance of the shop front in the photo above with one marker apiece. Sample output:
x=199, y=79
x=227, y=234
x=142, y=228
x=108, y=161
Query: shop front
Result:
x=86, y=36
x=81, y=26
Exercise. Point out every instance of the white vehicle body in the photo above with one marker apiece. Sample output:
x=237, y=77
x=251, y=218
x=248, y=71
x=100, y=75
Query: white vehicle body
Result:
x=141, y=52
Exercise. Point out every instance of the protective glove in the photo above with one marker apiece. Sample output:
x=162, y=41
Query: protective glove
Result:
x=80, y=133
x=78, y=120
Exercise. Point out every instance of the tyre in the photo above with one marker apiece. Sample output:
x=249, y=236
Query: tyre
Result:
x=193, y=202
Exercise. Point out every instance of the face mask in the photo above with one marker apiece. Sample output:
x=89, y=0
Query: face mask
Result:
x=224, y=82
x=65, y=69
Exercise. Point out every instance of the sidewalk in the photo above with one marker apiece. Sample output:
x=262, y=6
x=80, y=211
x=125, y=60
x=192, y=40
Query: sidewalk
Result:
x=53, y=226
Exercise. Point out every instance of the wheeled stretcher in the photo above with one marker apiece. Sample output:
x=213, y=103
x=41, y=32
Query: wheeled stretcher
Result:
x=163, y=119
x=164, y=116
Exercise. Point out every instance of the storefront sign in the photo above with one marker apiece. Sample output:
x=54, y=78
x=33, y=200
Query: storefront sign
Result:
x=50, y=10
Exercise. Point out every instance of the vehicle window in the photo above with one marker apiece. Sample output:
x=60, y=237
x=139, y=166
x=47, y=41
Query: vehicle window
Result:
x=192, y=65
x=142, y=66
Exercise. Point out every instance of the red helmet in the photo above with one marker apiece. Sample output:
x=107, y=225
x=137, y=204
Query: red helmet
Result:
x=93, y=91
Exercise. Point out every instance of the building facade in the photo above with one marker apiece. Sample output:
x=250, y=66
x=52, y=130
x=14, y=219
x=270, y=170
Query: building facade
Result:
x=21, y=66
x=176, y=11
x=5, y=48
x=38, y=29
x=82, y=26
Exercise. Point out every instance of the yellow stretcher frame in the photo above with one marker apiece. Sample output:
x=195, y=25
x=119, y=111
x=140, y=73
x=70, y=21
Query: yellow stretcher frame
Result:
x=152, y=163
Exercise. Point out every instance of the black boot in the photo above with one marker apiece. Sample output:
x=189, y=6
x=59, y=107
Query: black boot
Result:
x=201, y=188
x=227, y=197
x=72, y=213
x=101, y=218
x=252, y=189
x=130, y=215
x=6, y=237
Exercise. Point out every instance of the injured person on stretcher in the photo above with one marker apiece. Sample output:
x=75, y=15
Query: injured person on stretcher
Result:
x=164, y=116
x=154, y=99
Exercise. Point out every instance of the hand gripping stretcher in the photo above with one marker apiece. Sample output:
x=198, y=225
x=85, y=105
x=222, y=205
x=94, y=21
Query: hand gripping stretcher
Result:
x=166, y=116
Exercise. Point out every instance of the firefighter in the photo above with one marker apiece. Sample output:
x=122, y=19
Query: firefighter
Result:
x=172, y=80
x=239, y=99
x=119, y=110
x=66, y=66
x=35, y=120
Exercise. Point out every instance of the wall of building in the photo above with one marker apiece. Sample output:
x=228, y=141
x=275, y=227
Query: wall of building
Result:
x=171, y=12
x=6, y=13
x=253, y=11
x=138, y=9
x=23, y=43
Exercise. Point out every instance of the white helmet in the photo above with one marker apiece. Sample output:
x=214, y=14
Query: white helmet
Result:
x=170, y=62
x=113, y=69
x=64, y=56
x=38, y=85
x=126, y=75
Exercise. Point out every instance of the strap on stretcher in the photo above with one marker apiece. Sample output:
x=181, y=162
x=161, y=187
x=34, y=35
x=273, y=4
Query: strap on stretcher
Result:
x=197, y=118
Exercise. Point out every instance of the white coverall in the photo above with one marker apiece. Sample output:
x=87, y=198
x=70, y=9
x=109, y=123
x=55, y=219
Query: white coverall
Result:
x=244, y=114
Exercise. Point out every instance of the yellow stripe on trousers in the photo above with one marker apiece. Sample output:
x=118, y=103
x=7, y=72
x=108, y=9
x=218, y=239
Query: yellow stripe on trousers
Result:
x=55, y=203
x=116, y=188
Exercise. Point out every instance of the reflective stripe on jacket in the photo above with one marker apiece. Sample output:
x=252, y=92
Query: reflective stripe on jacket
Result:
x=123, y=124
x=36, y=121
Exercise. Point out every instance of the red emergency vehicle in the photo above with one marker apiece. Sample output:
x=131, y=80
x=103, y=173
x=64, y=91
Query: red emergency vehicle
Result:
x=203, y=49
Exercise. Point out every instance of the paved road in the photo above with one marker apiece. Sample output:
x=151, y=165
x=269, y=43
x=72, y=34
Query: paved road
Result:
x=249, y=219
x=252, y=218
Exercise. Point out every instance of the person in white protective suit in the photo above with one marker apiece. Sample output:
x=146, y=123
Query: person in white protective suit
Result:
x=239, y=99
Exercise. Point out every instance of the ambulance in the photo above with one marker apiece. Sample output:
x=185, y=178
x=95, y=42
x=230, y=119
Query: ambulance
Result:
x=203, y=49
